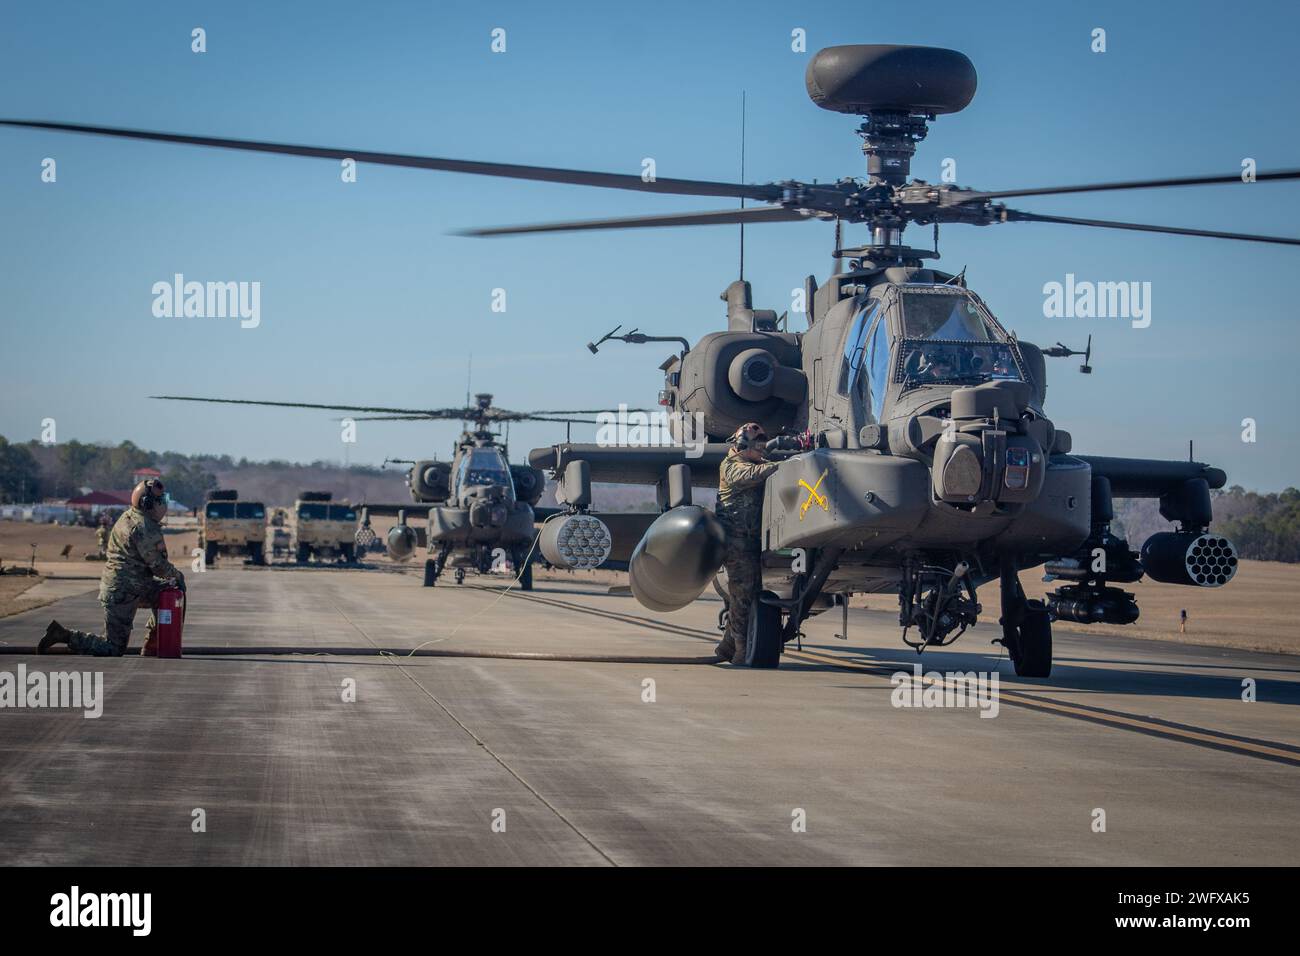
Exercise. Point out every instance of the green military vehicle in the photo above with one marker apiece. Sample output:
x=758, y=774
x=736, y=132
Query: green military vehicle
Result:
x=323, y=528
x=230, y=526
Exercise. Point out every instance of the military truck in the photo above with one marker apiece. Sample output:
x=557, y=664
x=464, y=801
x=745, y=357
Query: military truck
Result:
x=323, y=528
x=279, y=534
x=231, y=526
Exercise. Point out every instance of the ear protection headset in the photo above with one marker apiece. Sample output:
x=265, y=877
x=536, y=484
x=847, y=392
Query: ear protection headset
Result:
x=749, y=436
x=148, y=494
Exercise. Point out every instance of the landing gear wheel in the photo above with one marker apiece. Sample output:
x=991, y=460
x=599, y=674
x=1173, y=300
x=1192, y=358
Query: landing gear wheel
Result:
x=763, y=642
x=460, y=575
x=1034, y=648
x=430, y=572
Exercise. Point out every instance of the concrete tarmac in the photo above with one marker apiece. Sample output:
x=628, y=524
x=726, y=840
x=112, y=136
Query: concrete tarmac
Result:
x=468, y=761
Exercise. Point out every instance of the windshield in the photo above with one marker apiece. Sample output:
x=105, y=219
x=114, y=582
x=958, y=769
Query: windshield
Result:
x=484, y=466
x=248, y=509
x=957, y=363
x=342, y=513
x=222, y=510
x=943, y=315
x=313, y=511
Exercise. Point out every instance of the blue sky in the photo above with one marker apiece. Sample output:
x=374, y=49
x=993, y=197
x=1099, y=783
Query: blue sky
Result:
x=367, y=299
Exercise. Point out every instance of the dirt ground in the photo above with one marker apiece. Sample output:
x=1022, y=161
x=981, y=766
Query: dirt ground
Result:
x=1258, y=610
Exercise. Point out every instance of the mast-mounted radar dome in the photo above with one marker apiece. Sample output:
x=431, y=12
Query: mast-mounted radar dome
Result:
x=870, y=78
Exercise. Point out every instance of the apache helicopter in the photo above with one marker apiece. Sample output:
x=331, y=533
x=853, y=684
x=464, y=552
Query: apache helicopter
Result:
x=917, y=454
x=480, y=508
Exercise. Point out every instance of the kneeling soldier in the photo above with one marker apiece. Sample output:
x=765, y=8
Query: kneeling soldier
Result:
x=136, y=570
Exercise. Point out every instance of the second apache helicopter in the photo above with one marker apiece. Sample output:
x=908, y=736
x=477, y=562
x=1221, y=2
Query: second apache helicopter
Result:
x=919, y=459
x=480, y=509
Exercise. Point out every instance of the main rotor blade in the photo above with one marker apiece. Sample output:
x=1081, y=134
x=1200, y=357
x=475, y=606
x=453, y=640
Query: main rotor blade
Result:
x=576, y=177
x=414, y=412
x=1284, y=174
x=591, y=411
x=1013, y=215
x=717, y=218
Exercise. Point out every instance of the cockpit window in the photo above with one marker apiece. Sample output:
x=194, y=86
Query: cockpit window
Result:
x=957, y=363
x=944, y=315
x=485, y=466
x=854, y=344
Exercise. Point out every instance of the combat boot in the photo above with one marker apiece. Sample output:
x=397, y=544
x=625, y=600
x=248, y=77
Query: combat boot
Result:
x=56, y=633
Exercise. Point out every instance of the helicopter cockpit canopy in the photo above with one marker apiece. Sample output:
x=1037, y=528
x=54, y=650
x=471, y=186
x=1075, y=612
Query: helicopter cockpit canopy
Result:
x=949, y=338
x=485, y=467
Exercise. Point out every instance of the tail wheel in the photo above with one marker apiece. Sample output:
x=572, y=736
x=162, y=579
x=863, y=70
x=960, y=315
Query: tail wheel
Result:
x=460, y=575
x=763, y=642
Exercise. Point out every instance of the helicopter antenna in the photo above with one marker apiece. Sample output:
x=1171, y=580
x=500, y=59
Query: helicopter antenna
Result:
x=839, y=235
x=742, y=179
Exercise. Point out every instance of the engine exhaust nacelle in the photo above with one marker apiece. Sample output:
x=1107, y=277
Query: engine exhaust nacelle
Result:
x=1198, y=559
x=677, y=558
x=402, y=542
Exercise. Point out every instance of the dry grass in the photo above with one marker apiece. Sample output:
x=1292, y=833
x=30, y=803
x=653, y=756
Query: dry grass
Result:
x=1257, y=610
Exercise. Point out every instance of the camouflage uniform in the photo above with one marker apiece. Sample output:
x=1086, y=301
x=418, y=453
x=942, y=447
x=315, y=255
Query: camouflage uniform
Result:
x=137, y=560
x=740, y=512
x=101, y=537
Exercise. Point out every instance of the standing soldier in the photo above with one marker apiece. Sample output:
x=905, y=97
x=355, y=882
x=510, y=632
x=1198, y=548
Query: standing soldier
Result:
x=101, y=536
x=740, y=512
x=136, y=571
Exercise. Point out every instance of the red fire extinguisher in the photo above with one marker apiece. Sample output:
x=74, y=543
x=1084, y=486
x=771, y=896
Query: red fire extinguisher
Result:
x=169, y=613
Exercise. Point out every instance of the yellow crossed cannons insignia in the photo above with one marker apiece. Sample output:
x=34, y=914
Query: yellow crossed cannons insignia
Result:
x=814, y=495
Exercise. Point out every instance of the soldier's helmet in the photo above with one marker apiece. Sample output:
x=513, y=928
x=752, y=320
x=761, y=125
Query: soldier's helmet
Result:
x=147, y=494
x=749, y=435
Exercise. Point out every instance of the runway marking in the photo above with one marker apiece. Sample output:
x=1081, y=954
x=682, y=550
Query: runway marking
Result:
x=396, y=662
x=1271, y=750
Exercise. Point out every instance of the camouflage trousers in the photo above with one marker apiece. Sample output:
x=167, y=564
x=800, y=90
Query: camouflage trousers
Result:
x=743, y=563
x=119, y=618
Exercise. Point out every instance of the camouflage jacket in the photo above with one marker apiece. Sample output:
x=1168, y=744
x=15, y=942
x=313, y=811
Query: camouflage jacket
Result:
x=740, y=493
x=136, y=555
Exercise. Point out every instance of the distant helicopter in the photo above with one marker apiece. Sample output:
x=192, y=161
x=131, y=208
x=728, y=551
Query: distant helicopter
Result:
x=481, y=509
x=918, y=457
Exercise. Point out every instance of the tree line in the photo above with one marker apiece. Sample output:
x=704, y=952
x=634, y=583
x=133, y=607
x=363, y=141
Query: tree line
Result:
x=31, y=471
